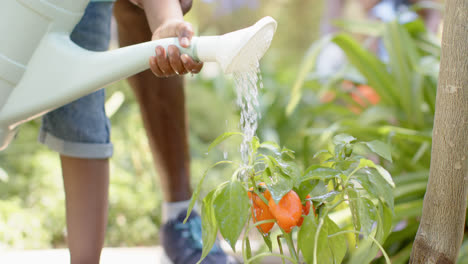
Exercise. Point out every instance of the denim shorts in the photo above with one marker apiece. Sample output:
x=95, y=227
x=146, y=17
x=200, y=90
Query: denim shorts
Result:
x=82, y=129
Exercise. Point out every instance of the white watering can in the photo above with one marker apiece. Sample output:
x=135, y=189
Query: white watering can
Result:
x=42, y=69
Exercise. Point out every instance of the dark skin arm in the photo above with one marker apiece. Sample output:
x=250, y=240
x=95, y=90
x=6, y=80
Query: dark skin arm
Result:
x=165, y=19
x=186, y=5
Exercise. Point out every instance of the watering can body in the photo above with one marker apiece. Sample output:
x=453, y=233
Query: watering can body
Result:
x=42, y=69
x=25, y=24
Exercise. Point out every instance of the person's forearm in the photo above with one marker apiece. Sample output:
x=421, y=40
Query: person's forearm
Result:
x=160, y=11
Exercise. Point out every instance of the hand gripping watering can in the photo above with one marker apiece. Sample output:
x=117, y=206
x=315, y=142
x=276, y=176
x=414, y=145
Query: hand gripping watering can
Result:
x=42, y=69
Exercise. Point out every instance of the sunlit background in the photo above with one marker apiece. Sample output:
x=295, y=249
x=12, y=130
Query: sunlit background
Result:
x=32, y=211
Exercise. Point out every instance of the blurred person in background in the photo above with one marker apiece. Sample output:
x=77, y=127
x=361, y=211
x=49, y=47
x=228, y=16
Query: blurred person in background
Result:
x=332, y=58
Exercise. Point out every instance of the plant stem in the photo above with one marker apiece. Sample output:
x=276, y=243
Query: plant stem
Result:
x=317, y=233
x=278, y=239
x=290, y=243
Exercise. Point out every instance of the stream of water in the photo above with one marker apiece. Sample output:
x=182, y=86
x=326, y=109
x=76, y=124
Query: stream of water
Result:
x=247, y=83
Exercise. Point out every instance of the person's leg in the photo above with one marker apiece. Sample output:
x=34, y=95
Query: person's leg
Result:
x=162, y=105
x=86, y=183
x=163, y=112
x=79, y=131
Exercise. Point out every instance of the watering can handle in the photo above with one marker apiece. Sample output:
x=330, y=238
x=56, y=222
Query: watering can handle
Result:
x=191, y=50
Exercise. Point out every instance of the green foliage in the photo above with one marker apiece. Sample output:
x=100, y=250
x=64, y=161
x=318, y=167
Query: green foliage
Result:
x=231, y=208
x=406, y=84
x=31, y=191
x=340, y=171
x=209, y=224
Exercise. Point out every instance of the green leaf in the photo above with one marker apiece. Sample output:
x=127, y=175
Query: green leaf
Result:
x=376, y=187
x=306, y=187
x=272, y=146
x=343, y=139
x=287, y=154
x=254, y=145
x=279, y=188
x=354, y=208
x=365, y=252
x=209, y=225
x=270, y=162
x=383, y=172
x=380, y=149
x=368, y=249
x=248, y=249
x=267, y=240
x=369, y=66
x=221, y=138
x=322, y=156
x=367, y=214
x=404, y=59
x=328, y=197
x=306, y=241
x=385, y=221
x=319, y=189
x=196, y=193
x=337, y=243
x=289, y=169
x=231, y=207
x=321, y=174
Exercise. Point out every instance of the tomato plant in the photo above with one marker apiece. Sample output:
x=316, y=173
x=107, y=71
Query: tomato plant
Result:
x=348, y=192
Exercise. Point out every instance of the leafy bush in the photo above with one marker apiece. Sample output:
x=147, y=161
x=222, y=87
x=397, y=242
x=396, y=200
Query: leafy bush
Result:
x=342, y=179
x=406, y=84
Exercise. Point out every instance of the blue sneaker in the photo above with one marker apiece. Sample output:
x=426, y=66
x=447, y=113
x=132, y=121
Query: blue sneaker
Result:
x=182, y=243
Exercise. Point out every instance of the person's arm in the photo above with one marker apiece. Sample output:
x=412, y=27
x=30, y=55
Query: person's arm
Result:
x=166, y=19
x=186, y=5
x=159, y=12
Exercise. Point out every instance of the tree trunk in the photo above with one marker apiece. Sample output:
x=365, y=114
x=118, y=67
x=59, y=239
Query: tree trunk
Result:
x=441, y=230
